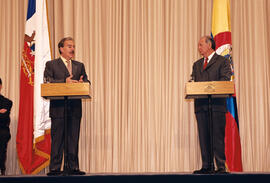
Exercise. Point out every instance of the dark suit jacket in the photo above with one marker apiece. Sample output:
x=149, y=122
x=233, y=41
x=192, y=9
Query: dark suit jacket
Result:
x=57, y=72
x=5, y=103
x=218, y=69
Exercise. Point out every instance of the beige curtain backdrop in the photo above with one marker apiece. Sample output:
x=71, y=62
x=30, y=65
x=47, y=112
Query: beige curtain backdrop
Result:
x=138, y=56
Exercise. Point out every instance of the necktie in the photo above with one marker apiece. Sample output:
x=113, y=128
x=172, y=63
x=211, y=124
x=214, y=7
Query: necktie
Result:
x=205, y=62
x=69, y=67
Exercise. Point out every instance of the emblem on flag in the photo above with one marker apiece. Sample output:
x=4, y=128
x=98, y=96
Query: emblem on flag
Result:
x=28, y=57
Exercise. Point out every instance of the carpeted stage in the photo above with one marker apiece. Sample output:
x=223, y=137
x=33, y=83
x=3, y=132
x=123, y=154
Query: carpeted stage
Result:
x=146, y=177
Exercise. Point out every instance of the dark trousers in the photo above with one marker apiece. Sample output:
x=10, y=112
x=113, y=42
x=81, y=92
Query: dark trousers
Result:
x=219, y=122
x=4, y=138
x=58, y=141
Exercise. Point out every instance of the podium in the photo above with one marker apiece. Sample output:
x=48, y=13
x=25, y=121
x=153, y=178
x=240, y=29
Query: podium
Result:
x=69, y=90
x=65, y=91
x=209, y=89
x=219, y=89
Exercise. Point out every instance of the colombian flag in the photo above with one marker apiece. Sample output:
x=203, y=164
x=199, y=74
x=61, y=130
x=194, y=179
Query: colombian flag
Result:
x=221, y=31
x=33, y=132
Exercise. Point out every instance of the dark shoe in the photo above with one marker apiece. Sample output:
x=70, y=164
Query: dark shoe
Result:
x=3, y=172
x=204, y=171
x=76, y=172
x=221, y=171
x=55, y=173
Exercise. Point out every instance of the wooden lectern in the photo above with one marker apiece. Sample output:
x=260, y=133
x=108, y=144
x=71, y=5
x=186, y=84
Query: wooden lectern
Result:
x=209, y=89
x=196, y=90
x=65, y=91
x=69, y=90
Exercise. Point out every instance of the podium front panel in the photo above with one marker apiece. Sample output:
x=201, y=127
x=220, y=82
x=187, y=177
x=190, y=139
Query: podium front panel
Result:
x=214, y=88
x=61, y=90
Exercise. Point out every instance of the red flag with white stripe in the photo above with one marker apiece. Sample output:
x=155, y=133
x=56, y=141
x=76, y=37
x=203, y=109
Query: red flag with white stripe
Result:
x=33, y=133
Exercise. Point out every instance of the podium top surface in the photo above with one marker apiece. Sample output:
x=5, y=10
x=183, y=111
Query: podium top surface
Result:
x=61, y=90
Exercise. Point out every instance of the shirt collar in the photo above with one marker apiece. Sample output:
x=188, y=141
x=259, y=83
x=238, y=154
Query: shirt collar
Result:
x=210, y=56
x=64, y=60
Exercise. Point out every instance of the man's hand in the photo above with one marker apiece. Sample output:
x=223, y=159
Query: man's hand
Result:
x=81, y=79
x=69, y=80
x=2, y=111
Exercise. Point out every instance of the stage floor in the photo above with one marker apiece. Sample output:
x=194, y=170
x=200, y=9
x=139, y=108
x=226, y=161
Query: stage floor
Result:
x=143, y=177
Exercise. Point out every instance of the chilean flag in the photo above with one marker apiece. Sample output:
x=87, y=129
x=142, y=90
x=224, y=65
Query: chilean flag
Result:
x=221, y=31
x=33, y=133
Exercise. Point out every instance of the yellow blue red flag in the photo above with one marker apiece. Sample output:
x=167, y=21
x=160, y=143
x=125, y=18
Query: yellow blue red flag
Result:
x=221, y=32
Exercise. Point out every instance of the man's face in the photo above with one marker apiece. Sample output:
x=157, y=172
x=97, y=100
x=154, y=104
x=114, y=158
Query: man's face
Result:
x=68, y=49
x=204, y=47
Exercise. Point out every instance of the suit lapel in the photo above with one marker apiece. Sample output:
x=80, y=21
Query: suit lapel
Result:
x=74, y=68
x=201, y=64
x=62, y=67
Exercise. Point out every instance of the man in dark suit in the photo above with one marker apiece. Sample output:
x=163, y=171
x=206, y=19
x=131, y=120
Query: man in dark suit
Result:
x=5, y=107
x=62, y=70
x=212, y=67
